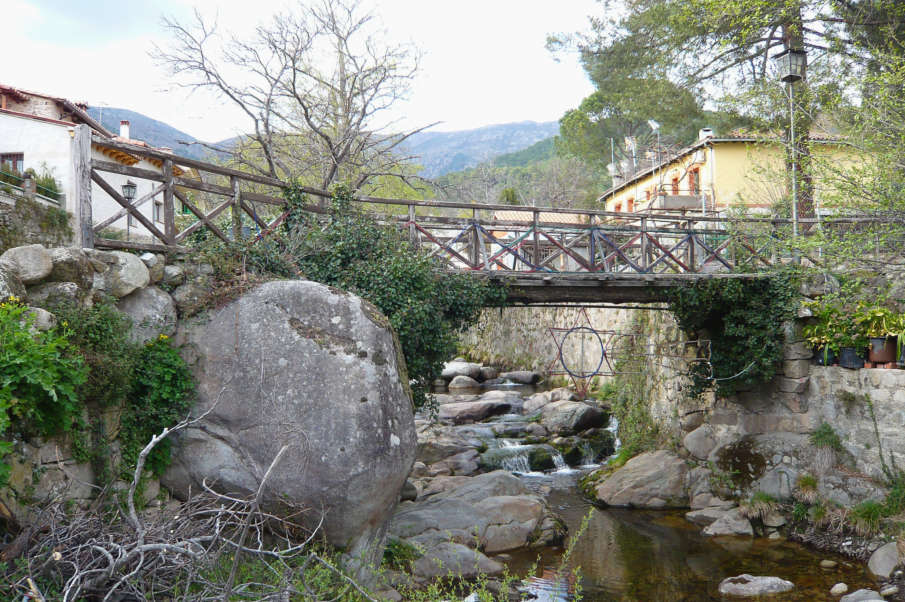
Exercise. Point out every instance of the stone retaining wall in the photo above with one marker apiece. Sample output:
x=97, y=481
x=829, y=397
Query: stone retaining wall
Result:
x=152, y=292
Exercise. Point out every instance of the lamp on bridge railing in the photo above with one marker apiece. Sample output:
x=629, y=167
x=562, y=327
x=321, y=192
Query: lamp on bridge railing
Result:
x=792, y=65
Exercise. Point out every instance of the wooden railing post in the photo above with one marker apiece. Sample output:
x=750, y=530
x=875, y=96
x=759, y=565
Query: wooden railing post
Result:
x=691, y=256
x=169, y=214
x=645, y=243
x=592, y=249
x=80, y=195
x=536, y=238
x=236, y=209
x=413, y=233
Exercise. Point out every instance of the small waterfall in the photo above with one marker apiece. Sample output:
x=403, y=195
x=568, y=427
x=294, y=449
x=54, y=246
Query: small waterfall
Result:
x=613, y=427
x=518, y=461
x=588, y=456
x=559, y=462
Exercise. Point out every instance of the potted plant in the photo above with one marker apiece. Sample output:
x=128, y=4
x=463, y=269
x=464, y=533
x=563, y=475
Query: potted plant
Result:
x=821, y=333
x=880, y=326
x=898, y=325
x=850, y=337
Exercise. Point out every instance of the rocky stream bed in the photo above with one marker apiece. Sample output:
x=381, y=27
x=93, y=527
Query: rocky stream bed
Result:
x=505, y=471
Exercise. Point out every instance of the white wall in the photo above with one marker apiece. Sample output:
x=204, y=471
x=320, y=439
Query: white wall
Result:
x=103, y=206
x=40, y=142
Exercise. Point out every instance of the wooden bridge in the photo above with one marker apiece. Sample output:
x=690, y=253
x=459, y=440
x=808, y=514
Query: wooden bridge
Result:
x=545, y=254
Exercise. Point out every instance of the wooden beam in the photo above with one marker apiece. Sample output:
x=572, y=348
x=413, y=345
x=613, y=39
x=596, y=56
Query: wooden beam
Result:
x=127, y=170
x=109, y=243
x=262, y=198
x=169, y=209
x=203, y=220
x=203, y=186
x=125, y=205
x=122, y=212
x=236, y=209
x=81, y=203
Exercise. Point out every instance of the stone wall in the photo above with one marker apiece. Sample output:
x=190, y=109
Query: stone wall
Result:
x=776, y=417
x=24, y=221
x=520, y=337
x=152, y=292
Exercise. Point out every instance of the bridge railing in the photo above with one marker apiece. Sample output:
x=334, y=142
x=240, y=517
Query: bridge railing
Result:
x=466, y=236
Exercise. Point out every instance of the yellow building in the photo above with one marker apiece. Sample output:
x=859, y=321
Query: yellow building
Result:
x=712, y=175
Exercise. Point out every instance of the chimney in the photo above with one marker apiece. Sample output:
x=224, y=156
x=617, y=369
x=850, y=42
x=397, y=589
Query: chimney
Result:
x=705, y=133
x=124, y=129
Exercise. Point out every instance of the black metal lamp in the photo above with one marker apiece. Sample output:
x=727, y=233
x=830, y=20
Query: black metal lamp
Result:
x=129, y=191
x=791, y=64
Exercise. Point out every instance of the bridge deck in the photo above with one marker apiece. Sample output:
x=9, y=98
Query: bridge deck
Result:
x=539, y=288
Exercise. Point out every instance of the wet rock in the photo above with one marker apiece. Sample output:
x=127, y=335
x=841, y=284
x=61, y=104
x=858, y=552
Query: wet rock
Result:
x=774, y=520
x=472, y=411
x=454, y=369
x=462, y=464
x=463, y=382
x=889, y=590
x=700, y=442
x=650, y=480
x=750, y=586
x=731, y=523
x=570, y=417
x=884, y=560
x=445, y=558
x=708, y=500
x=437, y=445
x=522, y=377
x=862, y=595
x=563, y=394
x=705, y=516
x=538, y=457
x=828, y=564
x=536, y=402
x=152, y=311
x=488, y=373
x=30, y=263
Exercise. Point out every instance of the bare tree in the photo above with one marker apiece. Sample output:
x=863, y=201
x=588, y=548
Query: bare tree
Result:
x=313, y=84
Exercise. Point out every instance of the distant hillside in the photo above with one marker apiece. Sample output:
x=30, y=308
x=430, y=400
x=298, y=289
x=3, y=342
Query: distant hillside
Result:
x=537, y=152
x=155, y=133
x=444, y=152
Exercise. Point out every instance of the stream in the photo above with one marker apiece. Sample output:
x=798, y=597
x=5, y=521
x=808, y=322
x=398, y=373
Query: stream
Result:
x=646, y=556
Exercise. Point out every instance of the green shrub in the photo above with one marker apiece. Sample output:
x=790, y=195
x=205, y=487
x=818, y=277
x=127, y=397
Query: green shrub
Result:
x=865, y=517
x=743, y=320
x=101, y=334
x=39, y=377
x=825, y=437
x=161, y=395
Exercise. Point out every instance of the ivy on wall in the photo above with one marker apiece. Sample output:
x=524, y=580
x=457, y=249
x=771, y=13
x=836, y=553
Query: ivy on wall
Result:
x=743, y=320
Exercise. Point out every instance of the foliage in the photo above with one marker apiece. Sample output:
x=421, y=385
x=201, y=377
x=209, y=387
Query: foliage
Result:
x=865, y=517
x=399, y=554
x=161, y=395
x=806, y=489
x=743, y=320
x=758, y=506
x=101, y=335
x=825, y=437
x=39, y=378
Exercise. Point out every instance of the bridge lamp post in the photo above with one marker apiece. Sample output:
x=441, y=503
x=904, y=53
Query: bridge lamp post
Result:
x=656, y=127
x=791, y=65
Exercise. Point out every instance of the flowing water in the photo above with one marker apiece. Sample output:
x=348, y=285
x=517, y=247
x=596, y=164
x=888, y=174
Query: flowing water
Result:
x=649, y=556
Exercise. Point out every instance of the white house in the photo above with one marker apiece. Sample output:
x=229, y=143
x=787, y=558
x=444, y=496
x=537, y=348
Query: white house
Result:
x=48, y=134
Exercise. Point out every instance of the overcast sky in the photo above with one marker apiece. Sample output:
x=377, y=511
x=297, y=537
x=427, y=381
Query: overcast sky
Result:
x=484, y=60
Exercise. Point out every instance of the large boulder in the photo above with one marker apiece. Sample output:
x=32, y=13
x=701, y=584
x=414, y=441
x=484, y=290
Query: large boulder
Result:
x=700, y=442
x=126, y=274
x=10, y=285
x=319, y=371
x=472, y=411
x=494, y=511
x=454, y=369
x=72, y=265
x=31, y=263
x=730, y=523
x=152, y=311
x=884, y=560
x=569, y=417
x=522, y=377
x=651, y=480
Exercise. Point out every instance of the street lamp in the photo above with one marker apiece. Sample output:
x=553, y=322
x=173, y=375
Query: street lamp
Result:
x=129, y=194
x=654, y=126
x=791, y=65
